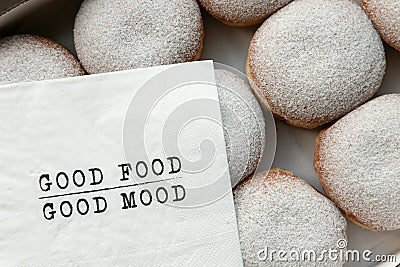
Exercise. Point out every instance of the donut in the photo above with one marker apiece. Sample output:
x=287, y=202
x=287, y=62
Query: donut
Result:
x=316, y=60
x=123, y=34
x=27, y=57
x=242, y=12
x=243, y=123
x=385, y=16
x=278, y=211
x=357, y=160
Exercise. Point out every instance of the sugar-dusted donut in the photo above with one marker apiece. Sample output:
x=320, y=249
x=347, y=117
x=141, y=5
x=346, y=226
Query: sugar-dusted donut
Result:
x=26, y=57
x=385, y=16
x=123, y=34
x=357, y=160
x=278, y=211
x=243, y=122
x=242, y=12
x=316, y=60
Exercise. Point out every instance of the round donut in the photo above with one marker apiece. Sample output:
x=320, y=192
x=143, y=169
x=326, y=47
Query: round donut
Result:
x=316, y=60
x=32, y=58
x=244, y=125
x=385, y=16
x=123, y=34
x=277, y=210
x=357, y=161
x=242, y=12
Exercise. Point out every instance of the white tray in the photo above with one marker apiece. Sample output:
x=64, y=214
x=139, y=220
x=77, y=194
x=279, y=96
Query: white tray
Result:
x=228, y=45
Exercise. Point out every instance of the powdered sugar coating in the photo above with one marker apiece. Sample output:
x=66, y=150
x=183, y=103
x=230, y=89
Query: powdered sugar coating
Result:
x=316, y=60
x=280, y=211
x=244, y=125
x=124, y=34
x=32, y=58
x=242, y=12
x=358, y=162
x=385, y=15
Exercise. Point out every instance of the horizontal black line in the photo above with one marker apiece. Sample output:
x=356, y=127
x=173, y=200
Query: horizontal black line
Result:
x=107, y=188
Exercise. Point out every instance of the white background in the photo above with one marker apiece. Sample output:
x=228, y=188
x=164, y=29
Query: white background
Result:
x=228, y=45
